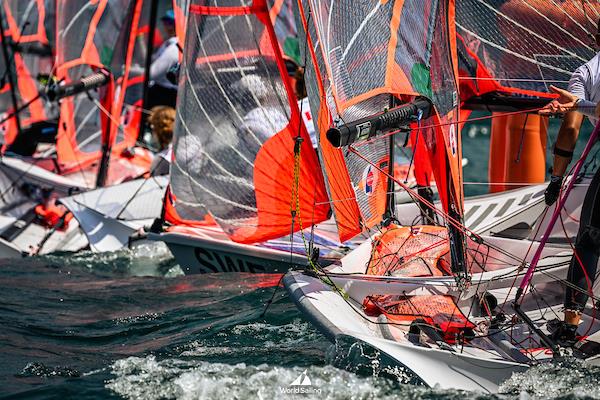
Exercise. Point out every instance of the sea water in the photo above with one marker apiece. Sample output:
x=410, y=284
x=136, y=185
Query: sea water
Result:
x=129, y=325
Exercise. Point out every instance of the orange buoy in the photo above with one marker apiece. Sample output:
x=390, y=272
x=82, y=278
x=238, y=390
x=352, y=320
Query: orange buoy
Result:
x=518, y=150
x=497, y=159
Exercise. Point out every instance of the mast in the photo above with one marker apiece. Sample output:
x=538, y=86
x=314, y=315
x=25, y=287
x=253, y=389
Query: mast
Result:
x=103, y=167
x=456, y=238
x=107, y=140
x=390, y=208
x=148, y=61
x=9, y=71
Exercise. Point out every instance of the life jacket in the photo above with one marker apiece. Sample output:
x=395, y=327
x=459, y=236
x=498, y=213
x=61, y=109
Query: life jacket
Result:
x=54, y=216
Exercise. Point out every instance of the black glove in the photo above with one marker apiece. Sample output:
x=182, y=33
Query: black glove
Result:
x=173, y=74
x=553, y=189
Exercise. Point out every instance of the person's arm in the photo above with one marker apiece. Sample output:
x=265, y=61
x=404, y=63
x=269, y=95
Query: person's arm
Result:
x=563, y=153
x=569, y=130
x=565, y=141
x=575, y=98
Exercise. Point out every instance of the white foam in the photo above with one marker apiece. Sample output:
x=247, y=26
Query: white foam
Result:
x=143, y=260
x=147, y=378
x=566, y=379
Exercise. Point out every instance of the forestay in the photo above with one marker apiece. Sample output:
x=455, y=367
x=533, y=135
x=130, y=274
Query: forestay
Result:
x=238, y=125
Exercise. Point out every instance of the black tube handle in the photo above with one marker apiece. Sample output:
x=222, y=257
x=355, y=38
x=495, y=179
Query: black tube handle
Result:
x=93, y=81
x=366, y=128
x=42, y=50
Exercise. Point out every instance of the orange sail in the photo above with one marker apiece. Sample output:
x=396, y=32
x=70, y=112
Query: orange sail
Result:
x=362, y=59
x=28, y=29
x=517, y=48
x=241, y=151
x=93, y=36
x=180, y=9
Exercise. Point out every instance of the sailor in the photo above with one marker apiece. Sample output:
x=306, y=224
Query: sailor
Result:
x=162, y=122
x=162, y=91
x=579, y=100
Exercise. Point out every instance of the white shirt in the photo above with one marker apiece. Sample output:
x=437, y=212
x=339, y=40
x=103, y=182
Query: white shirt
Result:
x=161, y=162
x=163, y=59
x=585, y=83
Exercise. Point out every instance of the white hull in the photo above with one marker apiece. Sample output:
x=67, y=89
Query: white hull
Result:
x=110, y=217
x=209, y=250
x=337, y=320
x=483, y=363
x=20, y=233
x=206, y=255
x=494, y=214
x=513, y=214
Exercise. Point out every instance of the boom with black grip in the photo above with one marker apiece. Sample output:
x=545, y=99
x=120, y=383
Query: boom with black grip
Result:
x=366, y=128
x=42, y=50
x=93, y=81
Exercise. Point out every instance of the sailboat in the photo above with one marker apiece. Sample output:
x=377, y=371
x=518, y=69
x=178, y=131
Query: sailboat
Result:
x=112, y=217
x=96, y=133
x=201, y=245
x=444, y=305
x=228, y=207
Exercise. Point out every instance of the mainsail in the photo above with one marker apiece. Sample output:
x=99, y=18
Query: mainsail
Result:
x=241, y=149
x=28, y=28
x=518, y=48
x=360, y=56
x=94, y=36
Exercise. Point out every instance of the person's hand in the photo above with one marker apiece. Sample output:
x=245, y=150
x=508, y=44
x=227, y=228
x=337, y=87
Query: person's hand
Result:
x=553, y=189
x=566, y=102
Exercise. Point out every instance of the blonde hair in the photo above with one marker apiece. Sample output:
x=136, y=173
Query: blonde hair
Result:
x=162, y=122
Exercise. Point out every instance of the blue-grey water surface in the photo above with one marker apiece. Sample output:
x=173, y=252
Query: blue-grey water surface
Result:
x=128, y=325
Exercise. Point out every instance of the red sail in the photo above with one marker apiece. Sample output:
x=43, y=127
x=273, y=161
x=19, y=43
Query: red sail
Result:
x=517, y=48
x=27, y=24
x=92, y=36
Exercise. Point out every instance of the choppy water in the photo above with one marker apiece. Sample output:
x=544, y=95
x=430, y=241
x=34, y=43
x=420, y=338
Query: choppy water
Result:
x=128, y=325
x=91, y=326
